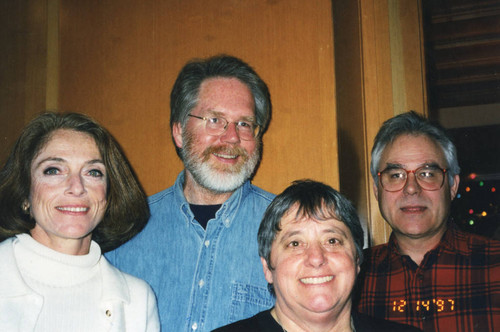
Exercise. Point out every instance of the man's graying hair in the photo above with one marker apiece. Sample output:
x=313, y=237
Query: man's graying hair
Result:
x=411, y=123
x=185, y=92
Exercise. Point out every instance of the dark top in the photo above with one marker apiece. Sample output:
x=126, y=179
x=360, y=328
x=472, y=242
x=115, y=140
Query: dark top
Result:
x=264, y=322
x=203, y=213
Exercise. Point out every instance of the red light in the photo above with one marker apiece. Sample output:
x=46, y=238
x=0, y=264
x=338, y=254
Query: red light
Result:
x=471, y=211
x=493, y=189
x=472, y=176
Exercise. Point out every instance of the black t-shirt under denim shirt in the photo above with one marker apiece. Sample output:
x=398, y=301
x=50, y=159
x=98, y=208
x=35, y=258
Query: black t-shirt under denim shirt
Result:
x=203, y=213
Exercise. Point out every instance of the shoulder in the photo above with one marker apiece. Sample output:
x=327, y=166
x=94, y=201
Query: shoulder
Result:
x=161, y=196
x=473, y=244
x=262, y=322
x=8, y=268
x=165, y=203
x=121, y=280
x=375, y=255
x=6, y=245
x=377, y=250
x=137, y=285
x=166, y=196
x=7, y=253
x=258, y=193
x=483, y=242
x=365, y=323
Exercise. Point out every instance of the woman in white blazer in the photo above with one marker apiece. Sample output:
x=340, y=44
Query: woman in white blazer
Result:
x=68, y=194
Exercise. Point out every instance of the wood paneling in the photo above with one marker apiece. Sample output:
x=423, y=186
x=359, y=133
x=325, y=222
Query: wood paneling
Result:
x=23, y=47
x=119, y=60
x=116, y=60
x=380, y=73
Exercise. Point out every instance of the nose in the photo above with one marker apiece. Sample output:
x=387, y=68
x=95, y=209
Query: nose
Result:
x=230, y=135
x=411, y=186
x=76, y=185
x=316, y=255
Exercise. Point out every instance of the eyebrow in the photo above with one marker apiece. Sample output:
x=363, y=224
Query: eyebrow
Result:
x=289, y=235
x=336, y=230
x=222, y=115
x=426, y=164
x=95, y=161
x=333, y=230
x=62, y=160
x=391, y=166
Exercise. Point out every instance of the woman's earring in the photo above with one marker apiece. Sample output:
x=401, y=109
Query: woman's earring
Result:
x=25, y=206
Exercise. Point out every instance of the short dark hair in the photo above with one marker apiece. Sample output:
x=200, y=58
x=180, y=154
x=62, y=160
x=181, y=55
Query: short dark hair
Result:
x=313, y=199
x=127, y=210
x=185, y=92
x=411, y=123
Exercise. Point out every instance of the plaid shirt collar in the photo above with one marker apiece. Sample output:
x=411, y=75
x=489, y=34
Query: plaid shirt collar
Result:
x=449, y=242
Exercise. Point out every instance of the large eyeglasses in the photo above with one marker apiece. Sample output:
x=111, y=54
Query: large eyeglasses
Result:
x=428, y=177
x=216, y=126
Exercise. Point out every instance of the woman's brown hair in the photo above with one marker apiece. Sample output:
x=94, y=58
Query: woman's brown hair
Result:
x=127, y=210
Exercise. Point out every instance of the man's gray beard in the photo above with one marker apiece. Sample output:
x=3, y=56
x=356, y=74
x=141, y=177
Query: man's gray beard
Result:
x=213, y=180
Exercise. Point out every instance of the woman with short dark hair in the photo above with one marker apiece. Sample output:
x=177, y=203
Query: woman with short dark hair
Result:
x=311, y=248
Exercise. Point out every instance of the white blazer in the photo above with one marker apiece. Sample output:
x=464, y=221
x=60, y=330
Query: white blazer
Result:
x=127, y=303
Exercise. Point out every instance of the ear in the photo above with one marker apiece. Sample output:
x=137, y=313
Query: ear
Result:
x=375, y=189
x=267, y=272
x=454, y=188
x=177, y=134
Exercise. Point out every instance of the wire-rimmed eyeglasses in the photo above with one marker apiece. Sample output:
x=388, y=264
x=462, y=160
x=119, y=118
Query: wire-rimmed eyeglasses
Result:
x=428, y=177
x=216, y=125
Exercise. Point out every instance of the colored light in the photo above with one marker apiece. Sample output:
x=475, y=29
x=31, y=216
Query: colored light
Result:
x=484, y=214
x=493, y=189
x=472, y=176
x=471, y=222
x=460, y=195
x=471, y=211
x=481, y=183
x=467, y=189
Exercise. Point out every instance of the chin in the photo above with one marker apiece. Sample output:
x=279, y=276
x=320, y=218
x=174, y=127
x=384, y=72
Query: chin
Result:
x=320, y=305
x=415, y=233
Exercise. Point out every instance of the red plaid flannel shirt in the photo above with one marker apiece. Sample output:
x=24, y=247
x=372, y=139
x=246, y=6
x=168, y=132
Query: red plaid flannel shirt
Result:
x=455, y=288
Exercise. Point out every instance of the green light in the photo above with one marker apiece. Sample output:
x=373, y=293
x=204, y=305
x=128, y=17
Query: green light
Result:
x=481, y=183
x=471, y=222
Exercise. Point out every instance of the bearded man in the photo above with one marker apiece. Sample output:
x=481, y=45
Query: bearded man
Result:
x=199, y=249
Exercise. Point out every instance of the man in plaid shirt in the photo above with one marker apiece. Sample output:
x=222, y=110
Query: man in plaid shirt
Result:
x=430, y=274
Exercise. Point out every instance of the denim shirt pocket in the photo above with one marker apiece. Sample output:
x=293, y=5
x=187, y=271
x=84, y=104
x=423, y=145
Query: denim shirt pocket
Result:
x=248, y=300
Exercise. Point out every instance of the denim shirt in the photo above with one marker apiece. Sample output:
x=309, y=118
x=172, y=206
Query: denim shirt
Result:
x=202, y=279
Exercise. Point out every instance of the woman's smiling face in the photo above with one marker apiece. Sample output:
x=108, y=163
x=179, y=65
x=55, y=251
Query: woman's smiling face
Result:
x=314, y=266
x=68, y=189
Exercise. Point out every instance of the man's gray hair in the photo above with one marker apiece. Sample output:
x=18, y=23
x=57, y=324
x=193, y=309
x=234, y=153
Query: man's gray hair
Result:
x=185, y=92
x=411, y=123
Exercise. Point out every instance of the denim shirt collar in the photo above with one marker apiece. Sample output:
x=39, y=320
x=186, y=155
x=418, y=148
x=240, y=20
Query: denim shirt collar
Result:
x=226, y=213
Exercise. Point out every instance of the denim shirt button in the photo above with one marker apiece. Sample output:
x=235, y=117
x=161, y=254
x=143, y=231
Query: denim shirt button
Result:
x=207, y=243
x=194, y=327
x=201, y=283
